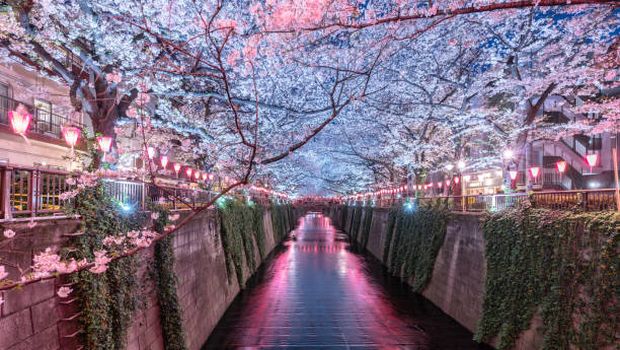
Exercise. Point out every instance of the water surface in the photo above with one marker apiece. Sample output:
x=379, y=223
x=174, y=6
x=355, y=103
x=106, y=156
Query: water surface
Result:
x=316, y=291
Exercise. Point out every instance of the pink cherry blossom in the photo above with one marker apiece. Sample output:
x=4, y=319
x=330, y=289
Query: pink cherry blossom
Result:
x=64, y=292
x=8, y=233
x=3, y=273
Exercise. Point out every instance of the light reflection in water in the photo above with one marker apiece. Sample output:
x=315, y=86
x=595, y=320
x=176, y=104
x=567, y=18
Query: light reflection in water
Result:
x=316, y=292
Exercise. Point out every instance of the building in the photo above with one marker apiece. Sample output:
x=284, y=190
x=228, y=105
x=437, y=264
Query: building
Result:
x=33, y=166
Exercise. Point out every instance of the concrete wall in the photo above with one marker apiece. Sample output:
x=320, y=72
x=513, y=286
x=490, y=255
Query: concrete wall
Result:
x=35, y=318
x=457, y=283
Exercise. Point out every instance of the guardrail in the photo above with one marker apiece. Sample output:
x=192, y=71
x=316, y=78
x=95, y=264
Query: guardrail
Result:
x=43, y=122
x=587, y=200
x=33, y=192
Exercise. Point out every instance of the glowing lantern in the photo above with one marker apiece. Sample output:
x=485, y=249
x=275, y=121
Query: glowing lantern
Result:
x=164, y=161
x=457, y=180
x=19, y=121
x=592, y=159
x=561, y=166
x=204, y=176
x=448, y=182
x=151, y=152
x=188, y=172
x=534, y=171
x=513, y=174
x=197, y=175
x=177, y=167
x=211, y=177
x=71, y=135
x=105, y=142
x=439, y=184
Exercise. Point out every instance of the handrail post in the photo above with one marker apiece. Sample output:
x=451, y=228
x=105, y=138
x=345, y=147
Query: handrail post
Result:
x=6, y=193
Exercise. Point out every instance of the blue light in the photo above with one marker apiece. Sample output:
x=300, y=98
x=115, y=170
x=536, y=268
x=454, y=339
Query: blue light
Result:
x=409, y=207
x=126, y=208
x=221, y=202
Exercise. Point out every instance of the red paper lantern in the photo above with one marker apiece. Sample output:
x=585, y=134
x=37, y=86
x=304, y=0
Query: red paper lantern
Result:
x=177, y=167
x=592, y=159
x=164, y=161
x=513, y=174
x=19, y=121
x=150, y=152
x=457, y=180
x=71, y=135
x=561, y=166
x=188, y=172
x=534, y=171
x=105, y=142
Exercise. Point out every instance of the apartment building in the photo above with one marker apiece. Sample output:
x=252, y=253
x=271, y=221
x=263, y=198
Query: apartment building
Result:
x=33, y=166
x=48, y=103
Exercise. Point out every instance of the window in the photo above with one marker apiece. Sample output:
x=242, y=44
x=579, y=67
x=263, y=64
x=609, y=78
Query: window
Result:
x=4, y=103
x=43, y=115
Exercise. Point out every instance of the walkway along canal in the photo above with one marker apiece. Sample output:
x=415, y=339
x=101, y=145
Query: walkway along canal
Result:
x=317, y=291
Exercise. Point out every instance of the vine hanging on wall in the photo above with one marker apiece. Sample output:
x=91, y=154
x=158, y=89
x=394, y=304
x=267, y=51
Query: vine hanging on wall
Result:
x=413, y=241
x=170, y=311
x=107, y=300
x=562, y=265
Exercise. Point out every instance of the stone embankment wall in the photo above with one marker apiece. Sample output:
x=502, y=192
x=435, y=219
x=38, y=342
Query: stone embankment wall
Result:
x=457, y=283
x=34, y=317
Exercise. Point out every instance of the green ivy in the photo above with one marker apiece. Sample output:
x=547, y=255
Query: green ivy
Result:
x=413, y=240
x=563, y=265
x=258, y=214
x=242, y=227
x=355, y=223
x=170, y=311
x=389, y=232
x=281, y=219
x=366, y=225
x=231, y=231
x=107, y=301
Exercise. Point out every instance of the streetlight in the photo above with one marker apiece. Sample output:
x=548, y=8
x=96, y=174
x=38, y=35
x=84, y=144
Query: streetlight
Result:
x=508, y=154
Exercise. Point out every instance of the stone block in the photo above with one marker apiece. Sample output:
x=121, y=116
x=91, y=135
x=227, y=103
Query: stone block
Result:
x=44, y=340
x=15, y=328
x=18, y=299
x=44, y=314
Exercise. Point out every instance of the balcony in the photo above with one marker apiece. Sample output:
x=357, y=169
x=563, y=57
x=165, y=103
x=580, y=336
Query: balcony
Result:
x=45, y=126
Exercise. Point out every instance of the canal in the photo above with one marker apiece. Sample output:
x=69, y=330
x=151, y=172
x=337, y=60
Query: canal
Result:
x=316, y=291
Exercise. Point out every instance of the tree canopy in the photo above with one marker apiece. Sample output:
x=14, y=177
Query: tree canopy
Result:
x=324, y=96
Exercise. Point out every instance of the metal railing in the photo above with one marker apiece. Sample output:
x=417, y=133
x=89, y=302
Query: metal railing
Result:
x=34, y=192
x=43, y=122
x=588, y=200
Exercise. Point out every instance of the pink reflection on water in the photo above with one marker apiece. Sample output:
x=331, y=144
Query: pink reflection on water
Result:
x=317, y=293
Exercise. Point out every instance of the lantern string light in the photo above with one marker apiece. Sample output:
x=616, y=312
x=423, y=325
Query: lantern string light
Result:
x=20, y=120
x=105, y=142
x=71, y=135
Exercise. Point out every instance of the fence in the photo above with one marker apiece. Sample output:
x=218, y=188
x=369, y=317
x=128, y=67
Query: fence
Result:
x=31, y=192
x=588, y=200
x=43, y=122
